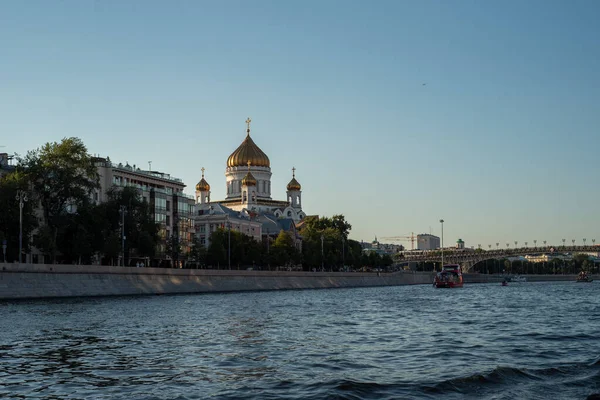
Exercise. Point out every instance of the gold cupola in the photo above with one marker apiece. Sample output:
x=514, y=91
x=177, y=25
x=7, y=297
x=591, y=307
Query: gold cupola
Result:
x=248, y=151
x=202, y=186
x=294, y=185
x=249, y=179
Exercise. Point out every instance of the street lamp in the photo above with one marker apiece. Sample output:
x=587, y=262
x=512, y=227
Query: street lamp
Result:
x=123, y=211
x=21, y=198
x=228, y=242
x=516, y=244
x=497, y=244
x=563, y=243
x=442, y=222
x=573, y=241
x=526, y=244
x=584, y=239
x=544, y=243
x=535, y=243
x=322, y=256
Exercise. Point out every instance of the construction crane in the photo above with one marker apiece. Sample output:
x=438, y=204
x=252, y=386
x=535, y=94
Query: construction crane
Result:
x=412, y=239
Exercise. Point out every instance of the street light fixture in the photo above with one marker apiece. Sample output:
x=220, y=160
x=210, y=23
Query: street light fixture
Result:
x=123, y=212
x=228, y=242
x=442, y=222
x=535, y=243
x=573, y=241
x=584, y=239
x=564, y=243
x=21, y=198
x=322, y=254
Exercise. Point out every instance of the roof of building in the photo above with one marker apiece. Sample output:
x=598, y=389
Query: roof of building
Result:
x=248, y=152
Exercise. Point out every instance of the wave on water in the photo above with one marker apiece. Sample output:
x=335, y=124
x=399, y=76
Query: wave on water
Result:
x=523, y=382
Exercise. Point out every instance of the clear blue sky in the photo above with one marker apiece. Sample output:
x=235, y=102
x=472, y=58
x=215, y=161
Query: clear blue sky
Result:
x=502, y=141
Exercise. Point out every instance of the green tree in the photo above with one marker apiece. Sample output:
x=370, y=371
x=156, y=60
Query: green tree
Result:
x=10, y=184
x=63, y=177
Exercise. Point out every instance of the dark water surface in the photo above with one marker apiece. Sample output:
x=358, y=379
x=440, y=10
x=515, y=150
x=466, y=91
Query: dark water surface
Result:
x=524, y=341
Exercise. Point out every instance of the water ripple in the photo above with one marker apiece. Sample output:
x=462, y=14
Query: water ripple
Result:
x=481, y=342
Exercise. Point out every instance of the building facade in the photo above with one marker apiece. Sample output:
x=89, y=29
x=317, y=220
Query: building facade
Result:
x=248, y=205
x=426, y=241
x=172, y=209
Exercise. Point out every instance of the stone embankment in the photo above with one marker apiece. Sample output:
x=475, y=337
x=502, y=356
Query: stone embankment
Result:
x=20, y=281
x=46, y=281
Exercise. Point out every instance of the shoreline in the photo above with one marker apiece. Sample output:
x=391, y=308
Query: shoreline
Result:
x=38, y=281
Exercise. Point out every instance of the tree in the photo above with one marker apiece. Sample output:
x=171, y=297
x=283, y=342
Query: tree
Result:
x=284, y=249
x=63, y=177
x=10, y=184
x=140, y=228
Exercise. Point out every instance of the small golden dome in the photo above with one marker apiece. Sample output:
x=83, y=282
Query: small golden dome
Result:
x=249, y=180
x=248, y=151
x=294, y=184
x=202, y=186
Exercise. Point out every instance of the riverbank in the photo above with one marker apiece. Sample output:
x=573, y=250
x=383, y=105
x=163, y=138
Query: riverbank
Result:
x=22, y=281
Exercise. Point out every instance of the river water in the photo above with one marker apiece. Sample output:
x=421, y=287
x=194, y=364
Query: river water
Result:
x=524, y=341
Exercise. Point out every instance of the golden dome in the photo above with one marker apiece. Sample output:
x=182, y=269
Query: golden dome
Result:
x=202, y=186
x=248, y=151
x=249, y=180
x=294, y=184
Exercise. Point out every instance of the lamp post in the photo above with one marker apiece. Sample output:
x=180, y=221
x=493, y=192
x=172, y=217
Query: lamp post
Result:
x=21, y=198
x=573, y=241
x=563, y=243
x=535, y=243
x=122, y=211
x=442, y=222
x=322, y=254
x=497, y=244
x=343, y=253
x=584, y=239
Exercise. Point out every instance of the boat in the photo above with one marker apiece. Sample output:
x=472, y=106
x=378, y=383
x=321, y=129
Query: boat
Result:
x=449, y=277
x=583, y=277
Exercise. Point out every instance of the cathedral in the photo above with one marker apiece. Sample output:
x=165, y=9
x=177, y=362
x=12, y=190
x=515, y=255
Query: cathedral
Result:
x=248, y=205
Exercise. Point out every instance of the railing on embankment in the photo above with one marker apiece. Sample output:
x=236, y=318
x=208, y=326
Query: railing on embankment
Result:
x=46, y=281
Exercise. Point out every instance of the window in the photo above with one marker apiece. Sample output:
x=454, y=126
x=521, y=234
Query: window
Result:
x=168, y=220
x=168, y=205
x=289, y=214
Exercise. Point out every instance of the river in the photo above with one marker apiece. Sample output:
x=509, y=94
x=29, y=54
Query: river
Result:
x=485, y=341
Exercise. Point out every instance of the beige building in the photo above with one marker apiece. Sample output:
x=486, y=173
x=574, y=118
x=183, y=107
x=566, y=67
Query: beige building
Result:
x=172, y=209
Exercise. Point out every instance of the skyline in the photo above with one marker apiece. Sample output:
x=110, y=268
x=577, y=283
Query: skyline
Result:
x=484, y=115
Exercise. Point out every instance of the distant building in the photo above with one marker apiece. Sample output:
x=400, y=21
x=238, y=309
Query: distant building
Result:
x=5, y=167
x=460, y=244
x=427, y=242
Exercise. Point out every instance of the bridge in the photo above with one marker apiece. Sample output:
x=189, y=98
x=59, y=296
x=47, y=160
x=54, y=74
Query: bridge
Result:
x=467, y=258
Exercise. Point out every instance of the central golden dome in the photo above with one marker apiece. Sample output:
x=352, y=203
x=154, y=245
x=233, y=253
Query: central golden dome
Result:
x=248, y=151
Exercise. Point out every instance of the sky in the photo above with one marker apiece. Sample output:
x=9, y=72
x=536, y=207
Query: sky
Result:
x=395, y=114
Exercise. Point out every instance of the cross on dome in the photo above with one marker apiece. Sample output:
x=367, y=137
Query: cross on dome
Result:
x=248, y=120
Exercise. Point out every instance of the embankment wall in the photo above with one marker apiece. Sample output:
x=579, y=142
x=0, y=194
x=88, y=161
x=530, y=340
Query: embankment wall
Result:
x=46, y=281
x=20, y=281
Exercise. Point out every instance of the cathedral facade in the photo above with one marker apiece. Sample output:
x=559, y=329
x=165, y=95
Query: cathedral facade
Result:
x=248, y=205
x=248, y=185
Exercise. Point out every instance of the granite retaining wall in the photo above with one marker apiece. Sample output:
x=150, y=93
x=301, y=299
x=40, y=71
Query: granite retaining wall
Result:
x=46, y=281
x=19, y=281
